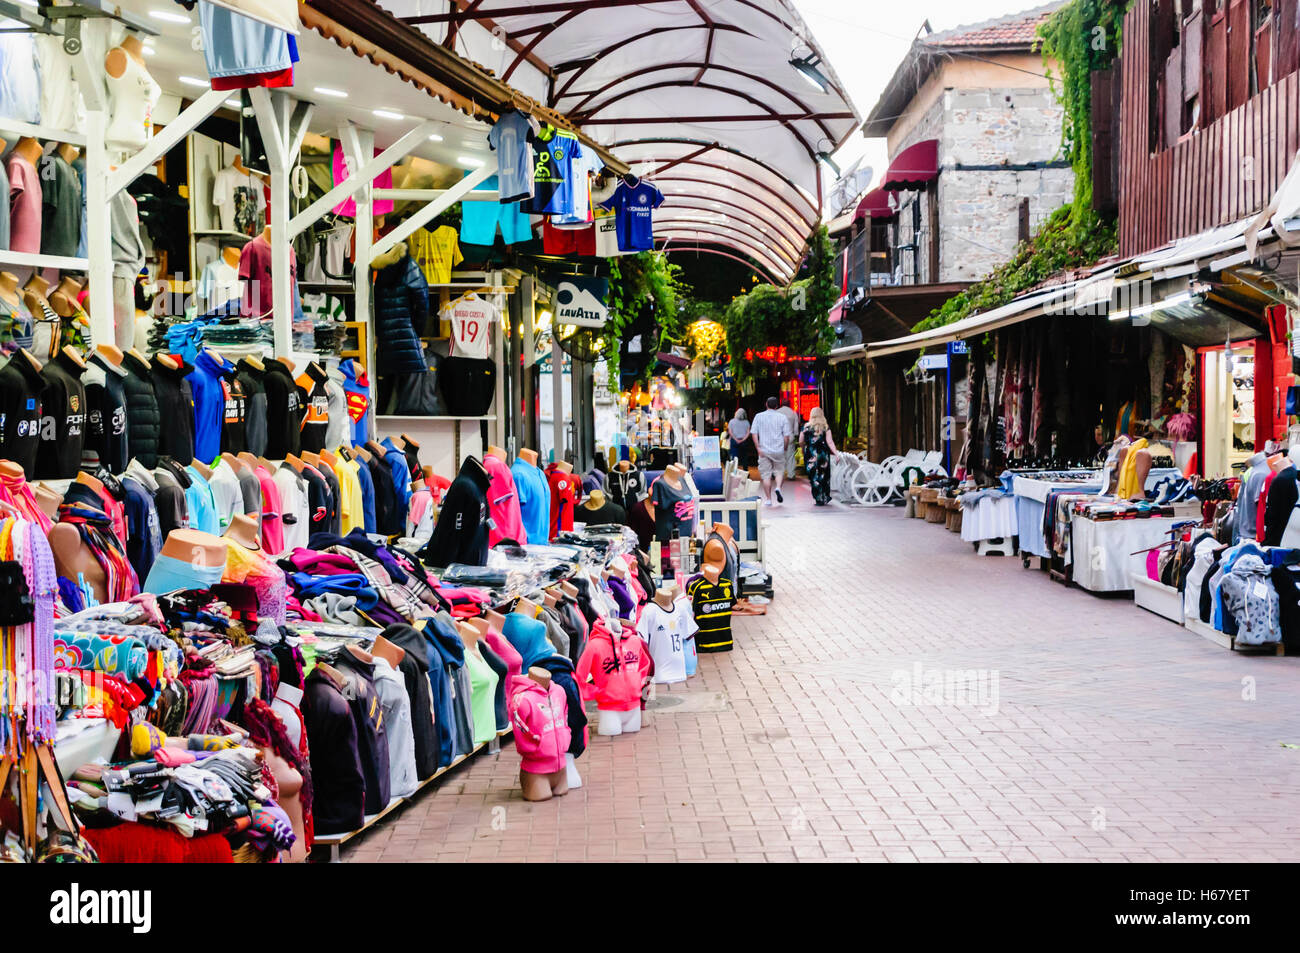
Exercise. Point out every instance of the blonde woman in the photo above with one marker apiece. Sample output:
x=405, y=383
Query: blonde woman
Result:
x=818, y=448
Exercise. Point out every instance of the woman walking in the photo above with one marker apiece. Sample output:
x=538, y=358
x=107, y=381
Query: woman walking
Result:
x=742, y=441
x=818, y=448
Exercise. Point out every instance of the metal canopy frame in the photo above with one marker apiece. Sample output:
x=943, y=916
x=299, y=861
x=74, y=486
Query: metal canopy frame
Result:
x=730, y=57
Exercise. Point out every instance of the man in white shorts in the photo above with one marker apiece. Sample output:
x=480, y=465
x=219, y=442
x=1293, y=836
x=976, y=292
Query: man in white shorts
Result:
x=771, y=432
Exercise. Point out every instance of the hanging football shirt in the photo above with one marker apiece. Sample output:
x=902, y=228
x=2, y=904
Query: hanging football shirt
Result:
x=437, y=252
x=471, y=319
x=565, y=493
x=511, y=138
x=553, y=171
x=573, y=201
x=633, y=207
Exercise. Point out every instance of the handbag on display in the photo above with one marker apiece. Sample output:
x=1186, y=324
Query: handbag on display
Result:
x=20, y=608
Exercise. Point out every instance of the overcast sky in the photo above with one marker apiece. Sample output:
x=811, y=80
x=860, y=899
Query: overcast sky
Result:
x=866, y=41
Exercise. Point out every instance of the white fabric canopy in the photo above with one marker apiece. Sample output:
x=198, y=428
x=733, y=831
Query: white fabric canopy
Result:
x=699, y=95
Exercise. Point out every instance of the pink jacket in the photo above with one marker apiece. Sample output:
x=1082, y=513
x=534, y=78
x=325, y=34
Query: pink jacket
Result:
x=503, y=503
x=508, y=653
x=541, y=722
x=613, y=668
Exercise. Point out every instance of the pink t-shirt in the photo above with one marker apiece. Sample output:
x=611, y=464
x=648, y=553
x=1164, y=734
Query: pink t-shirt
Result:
x=348, y=207
x=255, y=273
x=503, y=503
x=272, y=527
x=24, y=206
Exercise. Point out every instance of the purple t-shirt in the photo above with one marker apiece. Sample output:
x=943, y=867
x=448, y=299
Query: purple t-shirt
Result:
x=24, y=206
x=633, y=207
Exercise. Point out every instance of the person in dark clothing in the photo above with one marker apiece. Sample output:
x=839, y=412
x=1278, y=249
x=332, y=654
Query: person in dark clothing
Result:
x=142, y=418
x=460, y=534
x=176, y=407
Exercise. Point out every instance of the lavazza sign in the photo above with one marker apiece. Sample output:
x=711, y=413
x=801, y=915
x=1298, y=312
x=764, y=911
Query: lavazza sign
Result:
x=578, y=306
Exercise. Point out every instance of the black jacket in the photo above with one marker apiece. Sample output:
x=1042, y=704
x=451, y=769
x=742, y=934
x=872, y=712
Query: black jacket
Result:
x=284, y=411
x=21, y=386
x=338, y=786
x=142, y=417
x=63, y=420
x=251, y=380
x=106, y=413
x=461, y=533
x=415, y=672
x=624, y=487
x=372, y=736
x=388, y=519
x=176, y=410
x=401, y=313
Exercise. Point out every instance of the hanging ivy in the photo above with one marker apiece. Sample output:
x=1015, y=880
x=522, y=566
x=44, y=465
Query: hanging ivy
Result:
x=641, y=283
x=796, y=316
x=1082, y=36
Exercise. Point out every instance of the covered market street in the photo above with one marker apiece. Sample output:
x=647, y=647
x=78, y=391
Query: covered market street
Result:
x=1069, y=727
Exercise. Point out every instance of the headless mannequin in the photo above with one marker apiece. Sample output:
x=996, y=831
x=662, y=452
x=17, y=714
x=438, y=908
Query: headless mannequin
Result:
x=313, y=458
x=542, y=787
x=564, y=466
x=548, y=597
x=248, y=460
x=9, y=292
x=390, y=653
x=1141, y=468
x=30, y=149
x=74, y=560
x=111, y=353
x=203, y=469
x=34, y=295
x=1279, y=462
x=287, y=362
x=594, y=501
x=195, y=547
x=493, y=619
x=497, y=452
x=115, y=62
x=673, y=476
x=243, y=530
x=526, y=608
x=528, y=456
x=47, y=500
x=569, y=589
x=664, y=598
x=235, y=464
x=293, y=461
x=230, y=255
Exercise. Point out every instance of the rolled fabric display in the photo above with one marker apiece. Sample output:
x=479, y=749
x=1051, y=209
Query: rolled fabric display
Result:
x=120, y=655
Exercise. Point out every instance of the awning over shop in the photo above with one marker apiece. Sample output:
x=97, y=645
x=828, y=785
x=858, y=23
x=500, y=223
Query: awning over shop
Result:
x=726, y=105
x=1027, y=306
x=913, y=168
x=876, y=204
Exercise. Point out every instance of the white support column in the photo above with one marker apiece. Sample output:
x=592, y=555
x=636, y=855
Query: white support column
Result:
x=273, y=112
x=99, y=230
x=358, y=146
x=431, y=211
x=366, y=174
x=557, y=398
x=499, y=428
x=528, y=355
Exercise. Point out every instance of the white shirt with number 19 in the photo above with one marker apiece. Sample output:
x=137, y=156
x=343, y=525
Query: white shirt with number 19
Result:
x=471, y=318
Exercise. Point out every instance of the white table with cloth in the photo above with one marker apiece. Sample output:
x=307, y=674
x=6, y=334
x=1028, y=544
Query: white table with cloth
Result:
x=1102, y=549
x=987, y=514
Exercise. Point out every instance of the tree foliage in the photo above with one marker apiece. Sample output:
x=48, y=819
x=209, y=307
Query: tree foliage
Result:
x=796, y=316
x=642, y=284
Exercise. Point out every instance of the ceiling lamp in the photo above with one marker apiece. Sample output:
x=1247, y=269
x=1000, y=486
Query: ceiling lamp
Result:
x=807, y=67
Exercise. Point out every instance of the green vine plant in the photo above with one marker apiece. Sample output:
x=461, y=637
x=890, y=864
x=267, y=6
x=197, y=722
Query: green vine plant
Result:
x=1082, y=36
x=647, y=280
x=796, y=316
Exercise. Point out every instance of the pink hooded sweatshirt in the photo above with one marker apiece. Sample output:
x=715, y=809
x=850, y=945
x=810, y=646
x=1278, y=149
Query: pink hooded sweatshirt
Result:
x=503, y=503
x=508, y=653
x=541, y=722
x=613, y=668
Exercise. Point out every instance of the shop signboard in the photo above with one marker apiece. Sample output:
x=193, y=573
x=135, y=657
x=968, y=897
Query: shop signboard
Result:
x=580, y=301
x=934, y=362
x=706, y=453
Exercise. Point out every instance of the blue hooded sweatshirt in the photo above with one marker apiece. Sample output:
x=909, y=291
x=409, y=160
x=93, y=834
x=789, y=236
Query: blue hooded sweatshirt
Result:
x=396, y=461
x=356, y=388
x=450, y=716
x=528, y=636
x=209, y=404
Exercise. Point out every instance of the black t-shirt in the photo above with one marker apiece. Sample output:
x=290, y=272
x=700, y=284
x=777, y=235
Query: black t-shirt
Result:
x=387, y=519
x=233, y=438
x=63, y=420
x=460, y=535
x=711, y=604
x=21, y=387
x=61, y=216
x=607, y=512
x=176, y=409
x=674, y=510
x=284, y=410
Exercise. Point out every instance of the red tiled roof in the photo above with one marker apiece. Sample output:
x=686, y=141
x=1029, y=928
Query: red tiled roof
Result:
x=1016, y=29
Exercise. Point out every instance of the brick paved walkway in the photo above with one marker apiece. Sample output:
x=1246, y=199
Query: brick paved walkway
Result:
x=1113, y=734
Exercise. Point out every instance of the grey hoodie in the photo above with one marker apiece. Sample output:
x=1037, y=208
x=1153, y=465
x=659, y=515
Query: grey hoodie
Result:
x=1249, y=595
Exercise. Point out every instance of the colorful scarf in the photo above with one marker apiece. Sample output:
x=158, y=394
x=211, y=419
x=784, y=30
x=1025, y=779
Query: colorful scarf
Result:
x=97, y=535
